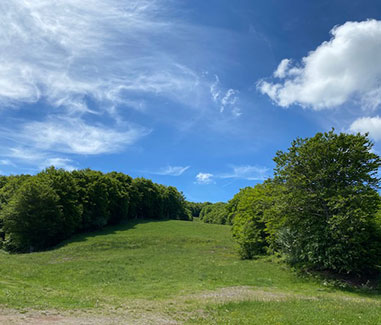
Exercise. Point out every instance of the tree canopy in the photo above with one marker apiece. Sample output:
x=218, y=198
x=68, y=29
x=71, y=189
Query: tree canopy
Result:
x=37, y=212
x=320, y=208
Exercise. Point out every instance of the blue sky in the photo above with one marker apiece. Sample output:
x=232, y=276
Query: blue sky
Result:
x=195, y=94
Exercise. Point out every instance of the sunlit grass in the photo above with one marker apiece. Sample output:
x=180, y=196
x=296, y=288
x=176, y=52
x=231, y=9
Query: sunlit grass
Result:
x=161, y=261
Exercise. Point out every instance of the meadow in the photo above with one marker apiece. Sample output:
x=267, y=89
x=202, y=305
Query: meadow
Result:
x=169, y=272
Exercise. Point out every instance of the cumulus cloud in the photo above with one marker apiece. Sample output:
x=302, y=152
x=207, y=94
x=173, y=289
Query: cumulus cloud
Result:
x=371, y=125
x=345, y=68
x=204, y=178
x=283, y=66
x=172, y=171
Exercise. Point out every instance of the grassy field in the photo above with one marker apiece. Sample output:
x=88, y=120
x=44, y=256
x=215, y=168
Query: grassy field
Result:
x=168, y=272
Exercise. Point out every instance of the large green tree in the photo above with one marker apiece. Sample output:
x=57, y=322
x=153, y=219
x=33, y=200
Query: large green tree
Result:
x=33, y=218
x=93, y=195
x=331, y=200
x=65, y=186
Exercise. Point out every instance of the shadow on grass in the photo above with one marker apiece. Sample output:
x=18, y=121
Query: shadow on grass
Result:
x=108, y=230
x=366, y=285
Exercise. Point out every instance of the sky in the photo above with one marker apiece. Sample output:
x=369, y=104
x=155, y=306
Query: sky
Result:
x=195, y=94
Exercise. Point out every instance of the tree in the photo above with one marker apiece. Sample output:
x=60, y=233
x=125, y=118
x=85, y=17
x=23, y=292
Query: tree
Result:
x=147, y=203
x=232, y=205
x=8, y=187
x=196, y=207
x=214, y=213
x=173, y=204
x=64, y=185
x=94, y=197
x=119, y=197
x=33, y=218
x=331, y=200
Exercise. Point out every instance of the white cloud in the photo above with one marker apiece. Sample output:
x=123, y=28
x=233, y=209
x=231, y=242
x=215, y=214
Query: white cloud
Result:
x=172, y=171
x=25, y=154
x=73, y=135
x=37, y=158
x=204, y=178
x=67, y=50
x=252, y=173
x=58, y=163
x=247, y=172
x=283, y=66
x=6, y=162
x=345, y=68
x=225, y=98
x=371, y=125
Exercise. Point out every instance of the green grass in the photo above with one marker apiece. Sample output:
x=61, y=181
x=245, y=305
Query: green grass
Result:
x=167, y=265
x=295, y=311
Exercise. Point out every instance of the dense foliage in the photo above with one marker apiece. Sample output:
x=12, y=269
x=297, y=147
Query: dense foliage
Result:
x=320, y=209
x=196, y=207
x=331, y=193
x=37, y=212
x=215, y=213
x=257, y=218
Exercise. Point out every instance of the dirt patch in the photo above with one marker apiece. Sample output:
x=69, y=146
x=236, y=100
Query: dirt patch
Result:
x=12, y=317
x=241, y=293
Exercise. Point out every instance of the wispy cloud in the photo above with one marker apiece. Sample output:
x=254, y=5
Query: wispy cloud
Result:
x=225, y=98
x=75, y=136
x=343, y=69
x=6, y=162
x=251, y=173
x=65, y=51
x=64, y=163
x=246, y=172
x=87, y=62
x=37, y=159
x=172, y=171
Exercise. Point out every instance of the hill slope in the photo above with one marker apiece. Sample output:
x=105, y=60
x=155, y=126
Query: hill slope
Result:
x=167, y=272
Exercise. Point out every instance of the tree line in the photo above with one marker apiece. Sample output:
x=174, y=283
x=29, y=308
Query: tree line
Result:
x=321, y=209
x=38, y=212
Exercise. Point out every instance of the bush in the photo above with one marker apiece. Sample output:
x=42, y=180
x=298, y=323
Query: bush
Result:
x=252, y=216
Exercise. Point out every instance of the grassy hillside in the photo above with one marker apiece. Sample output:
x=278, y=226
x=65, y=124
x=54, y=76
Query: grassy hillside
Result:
x=169, y=272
